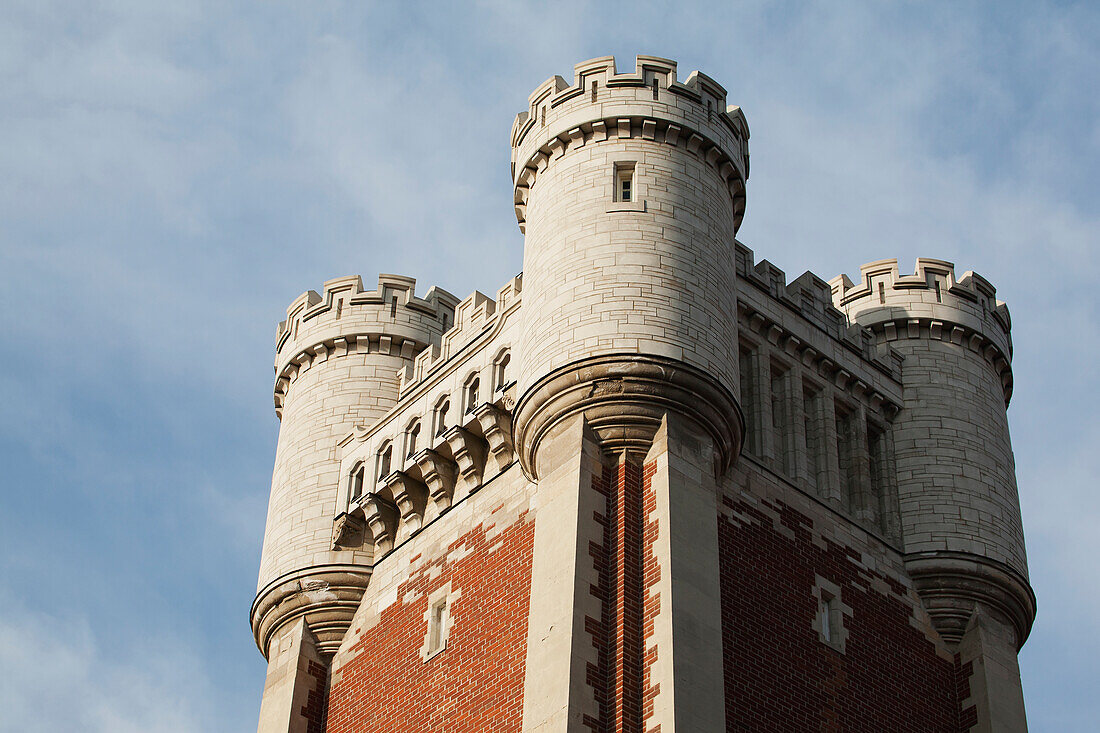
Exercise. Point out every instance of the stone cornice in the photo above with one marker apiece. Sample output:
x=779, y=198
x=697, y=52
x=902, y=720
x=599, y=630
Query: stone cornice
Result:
x=952, y=583
x=624, y=398
x=326, y=595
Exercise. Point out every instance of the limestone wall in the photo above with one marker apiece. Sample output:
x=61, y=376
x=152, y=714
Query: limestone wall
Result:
x=960, y=510
x=651, y=277
x=339, y=355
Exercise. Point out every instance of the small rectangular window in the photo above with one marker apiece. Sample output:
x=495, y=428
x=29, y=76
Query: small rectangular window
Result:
x=438, y=620
x=624, y=182
x=828, y=633
x=831, y=612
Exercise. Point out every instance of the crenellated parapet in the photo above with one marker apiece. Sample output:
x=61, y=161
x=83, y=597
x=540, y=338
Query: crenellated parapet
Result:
x=931, y=303
x=346, y=319
x=477, y=318
x=811, y=298
x=648, y=103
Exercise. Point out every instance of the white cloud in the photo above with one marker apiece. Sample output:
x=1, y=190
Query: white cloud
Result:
x=58, y=677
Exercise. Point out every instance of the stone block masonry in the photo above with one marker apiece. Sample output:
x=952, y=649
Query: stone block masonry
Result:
x=653, y=485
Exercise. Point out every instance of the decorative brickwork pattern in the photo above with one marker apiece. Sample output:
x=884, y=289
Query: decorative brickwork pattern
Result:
x=628, y=570
x=781, y=677
x=317, y=700
x=476, y=684
x=968, y=715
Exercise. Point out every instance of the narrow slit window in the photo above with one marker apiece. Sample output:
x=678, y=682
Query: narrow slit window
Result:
x=781, y=426
x=939, y=294
x=656, y=86
x=811, y=415
x=385, y=458
x=882, y=292
x=746, y=364
x=357, y=482
x=624, y=182
x=828, y=608
x=393, y=307
x=845, y=457
x=471, y=394
x=595, y=86
x=438, y=622
x=829, y=620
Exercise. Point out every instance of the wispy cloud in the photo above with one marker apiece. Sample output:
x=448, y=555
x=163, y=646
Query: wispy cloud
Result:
x=59, y=676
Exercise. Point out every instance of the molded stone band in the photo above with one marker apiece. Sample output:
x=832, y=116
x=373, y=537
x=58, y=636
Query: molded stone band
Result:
x=623, y=398
x=890, y=328
x=351, y=343
x=952, y=583
x=326, y=595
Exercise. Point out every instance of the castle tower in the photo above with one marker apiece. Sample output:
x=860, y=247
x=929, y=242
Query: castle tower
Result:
x=960, y=511
x=338, y=358
x=629, y=188
x=653, y=485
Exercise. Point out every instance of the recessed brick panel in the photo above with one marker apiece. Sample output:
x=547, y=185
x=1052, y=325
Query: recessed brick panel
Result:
x=779, y=676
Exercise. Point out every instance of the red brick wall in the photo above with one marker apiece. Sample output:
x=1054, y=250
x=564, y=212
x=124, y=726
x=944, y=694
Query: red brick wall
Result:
x=779, y=676
x=314, y=709
x=627, y=570
x=476, y=683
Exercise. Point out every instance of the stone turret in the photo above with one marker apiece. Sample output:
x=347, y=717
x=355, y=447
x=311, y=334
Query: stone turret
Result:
x=339, y=357
x=960, y=511
x=630, y=188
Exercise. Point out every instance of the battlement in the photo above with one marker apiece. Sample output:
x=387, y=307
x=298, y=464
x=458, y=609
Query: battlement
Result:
x=344, y=318
x=478, y=314
x=648, y=103
x=811, y=297
x=931, y=303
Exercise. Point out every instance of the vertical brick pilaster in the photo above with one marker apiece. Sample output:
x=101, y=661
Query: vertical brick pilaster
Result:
x=620, y=678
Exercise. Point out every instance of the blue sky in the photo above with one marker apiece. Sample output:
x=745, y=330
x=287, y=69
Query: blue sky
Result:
x=172, y=177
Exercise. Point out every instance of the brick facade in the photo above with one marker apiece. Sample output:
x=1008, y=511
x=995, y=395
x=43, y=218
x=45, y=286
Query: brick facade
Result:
x=476, y=683
x=780, y=676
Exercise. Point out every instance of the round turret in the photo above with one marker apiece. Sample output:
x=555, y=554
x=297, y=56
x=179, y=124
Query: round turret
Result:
x=338, y=358
x=630, y=189
x=960, y=510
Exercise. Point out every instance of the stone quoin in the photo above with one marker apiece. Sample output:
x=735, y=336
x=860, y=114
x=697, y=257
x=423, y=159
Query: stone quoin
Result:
x=651, y=485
